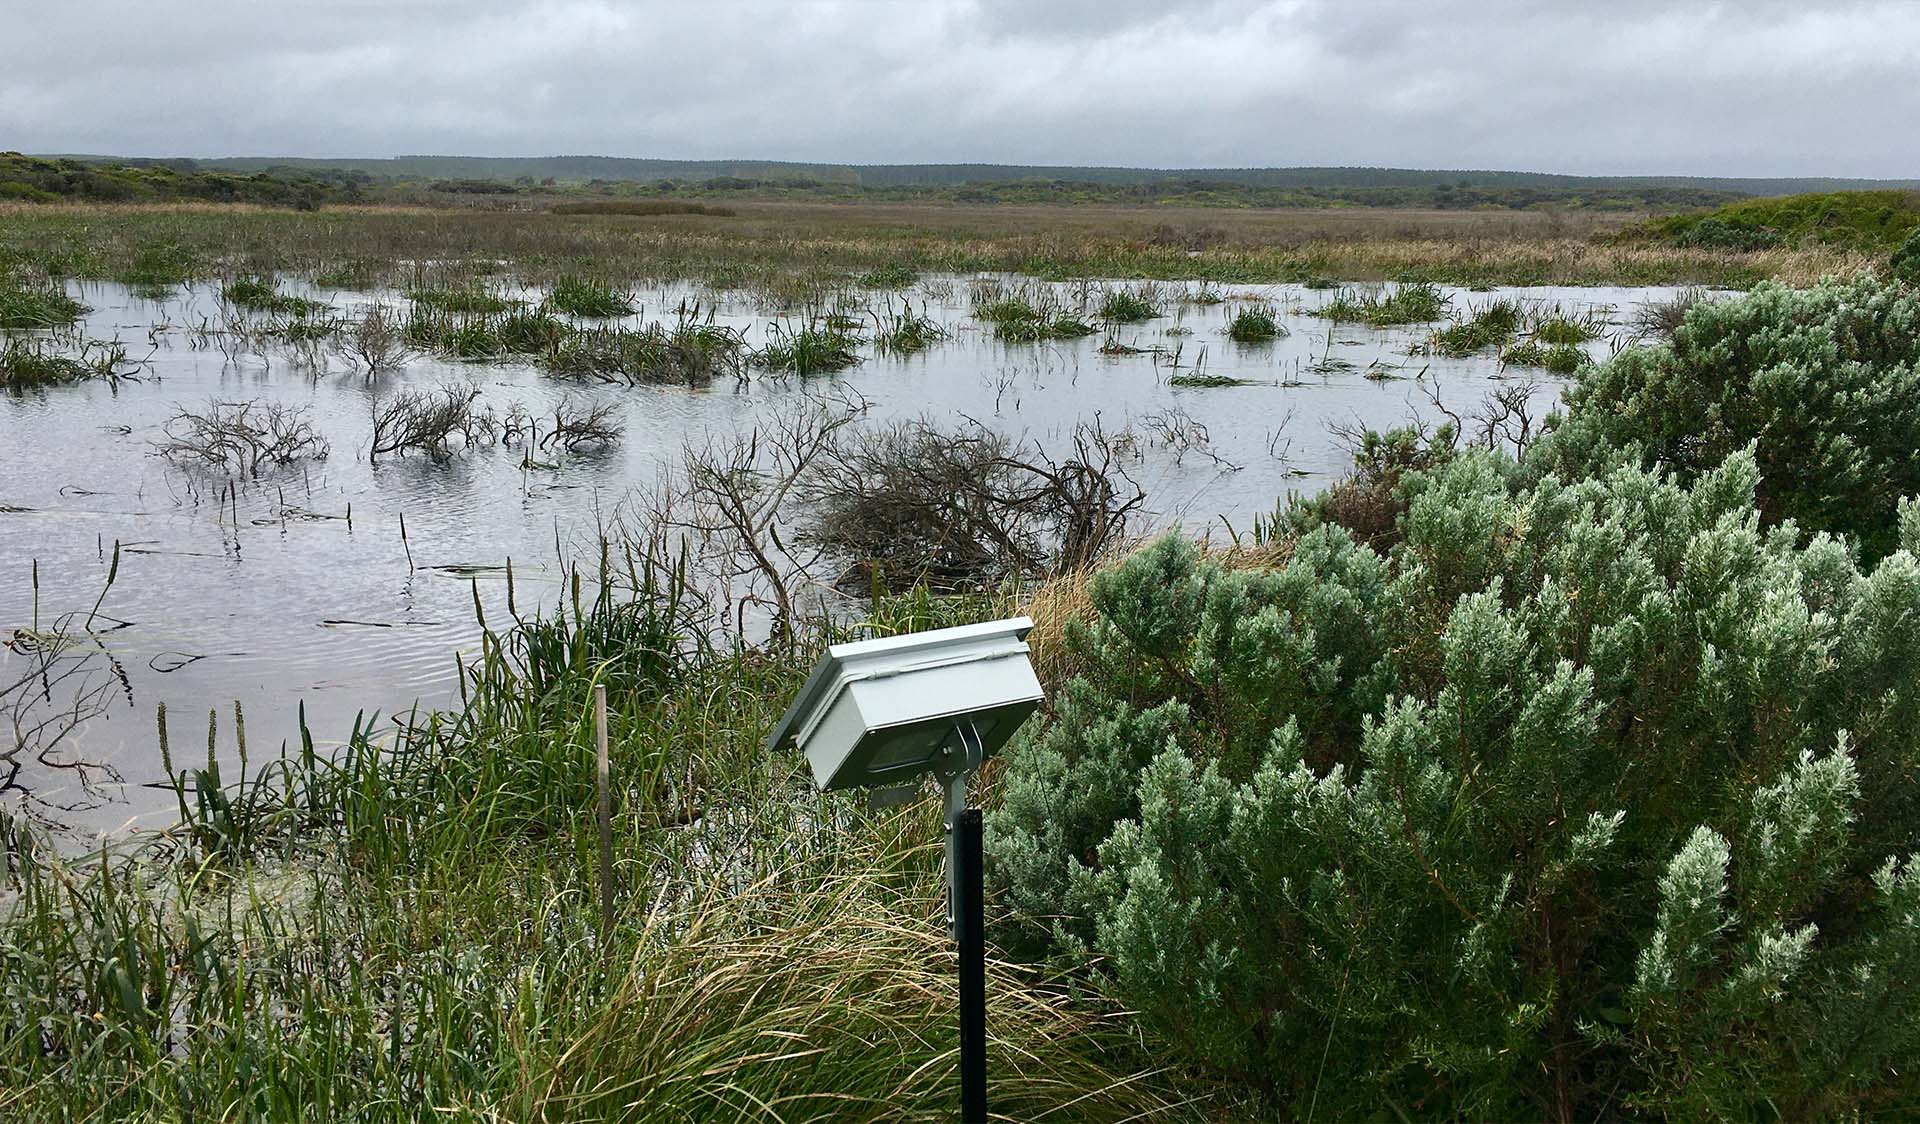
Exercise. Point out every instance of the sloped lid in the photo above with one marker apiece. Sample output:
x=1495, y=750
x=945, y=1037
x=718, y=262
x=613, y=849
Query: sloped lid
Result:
x=842, y=664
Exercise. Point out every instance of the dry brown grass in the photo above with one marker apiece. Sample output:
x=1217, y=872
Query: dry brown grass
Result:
x=765, y=241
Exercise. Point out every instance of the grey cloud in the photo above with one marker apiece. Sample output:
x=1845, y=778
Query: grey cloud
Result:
x=1752, y=88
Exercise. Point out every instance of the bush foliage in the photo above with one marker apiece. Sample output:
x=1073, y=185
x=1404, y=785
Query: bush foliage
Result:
x=1570, y=787
x=1823, y=383
x=1584, y=798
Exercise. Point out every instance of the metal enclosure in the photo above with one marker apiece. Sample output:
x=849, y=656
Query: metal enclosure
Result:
x=886, y=712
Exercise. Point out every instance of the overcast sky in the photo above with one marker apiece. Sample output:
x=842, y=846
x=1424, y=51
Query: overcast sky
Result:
x=1750, y=88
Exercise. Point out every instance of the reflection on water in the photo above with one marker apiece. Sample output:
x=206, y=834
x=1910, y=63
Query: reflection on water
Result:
x=270, y=595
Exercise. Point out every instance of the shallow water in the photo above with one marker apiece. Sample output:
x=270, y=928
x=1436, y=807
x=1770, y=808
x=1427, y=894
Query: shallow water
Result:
x=272, y=598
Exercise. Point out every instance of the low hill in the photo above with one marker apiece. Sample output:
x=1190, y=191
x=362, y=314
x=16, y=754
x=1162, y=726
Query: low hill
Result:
x=582, y=169
x=37, y=179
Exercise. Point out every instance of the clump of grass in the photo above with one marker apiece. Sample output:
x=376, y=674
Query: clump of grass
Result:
x=1034, y=329
x=1255, y=324
x=258, y=294
x=358, y=276
x=529, y=331
x=1205, y=381
x=690, y=352
x=1130, y=305
x=583, y=297
x=522, y=331
x=29, y=306
x=818, y=348
x=1561, y=359
x=468, y=299
x=1493, y=324
x=32, y=363
x=1002, y=309
x=159, y=267
x=1204, y=292
x=1562, y=329
x=906, y=331
x=893, y=275
x=1413, y=302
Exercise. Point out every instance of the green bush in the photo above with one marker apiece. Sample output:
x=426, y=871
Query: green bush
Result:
x=1584, y=799
x=1823, y=382
x=1905, y=265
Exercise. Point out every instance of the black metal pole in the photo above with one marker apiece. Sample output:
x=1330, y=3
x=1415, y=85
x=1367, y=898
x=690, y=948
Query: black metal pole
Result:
x=970, y=929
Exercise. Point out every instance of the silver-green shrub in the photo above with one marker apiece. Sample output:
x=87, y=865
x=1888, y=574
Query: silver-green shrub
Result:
x=1823, y=383
x=1581, y=798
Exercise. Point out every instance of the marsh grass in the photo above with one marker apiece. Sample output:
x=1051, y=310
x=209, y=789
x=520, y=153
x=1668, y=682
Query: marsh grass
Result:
x=904, y=332
x=482, y=336
x=893, y=275
x=1203, y=381
x=406, y=926
x=27, y=363
x=34, y=305
x=1255, y=324
x=1411, y=302
x=470, y=299
x=1490, y=325
x=259, y=294
x=817, y=348
x=691, y=351
x=1561, y=359
x=160, y=267
x=584, y=297
x=1568, y=328
x=1035, y=329
x=1131, y=305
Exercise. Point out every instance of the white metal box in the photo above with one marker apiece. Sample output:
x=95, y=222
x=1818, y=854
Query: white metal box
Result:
x=884, y=712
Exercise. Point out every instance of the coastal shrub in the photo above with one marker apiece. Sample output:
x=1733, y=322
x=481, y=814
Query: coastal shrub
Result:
x=1584, y=799
x=1823, y=383
x=1905, y=264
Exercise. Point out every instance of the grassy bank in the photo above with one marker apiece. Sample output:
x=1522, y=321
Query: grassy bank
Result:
x=774, y=243
x=408, y=928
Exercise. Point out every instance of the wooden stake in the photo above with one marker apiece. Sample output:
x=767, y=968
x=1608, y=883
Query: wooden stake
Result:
x=605, y=810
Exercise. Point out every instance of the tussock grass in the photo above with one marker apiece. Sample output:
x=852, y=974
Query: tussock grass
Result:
x=1131, y=305
x=1561, y=359
x=259, y=294
x=160, y=267
x=467, y=299
x=30, y=306
x=42, y=362
x=1035, y=329
x=1201, y=381
x=689, y=352
x=1413, y=302
x=1493, y=324
x=905, y=331
x=1563, y=328
x=583, y=297
x=1255, y=324
x=522, y=331
x=893, y=275
x=818, y=348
